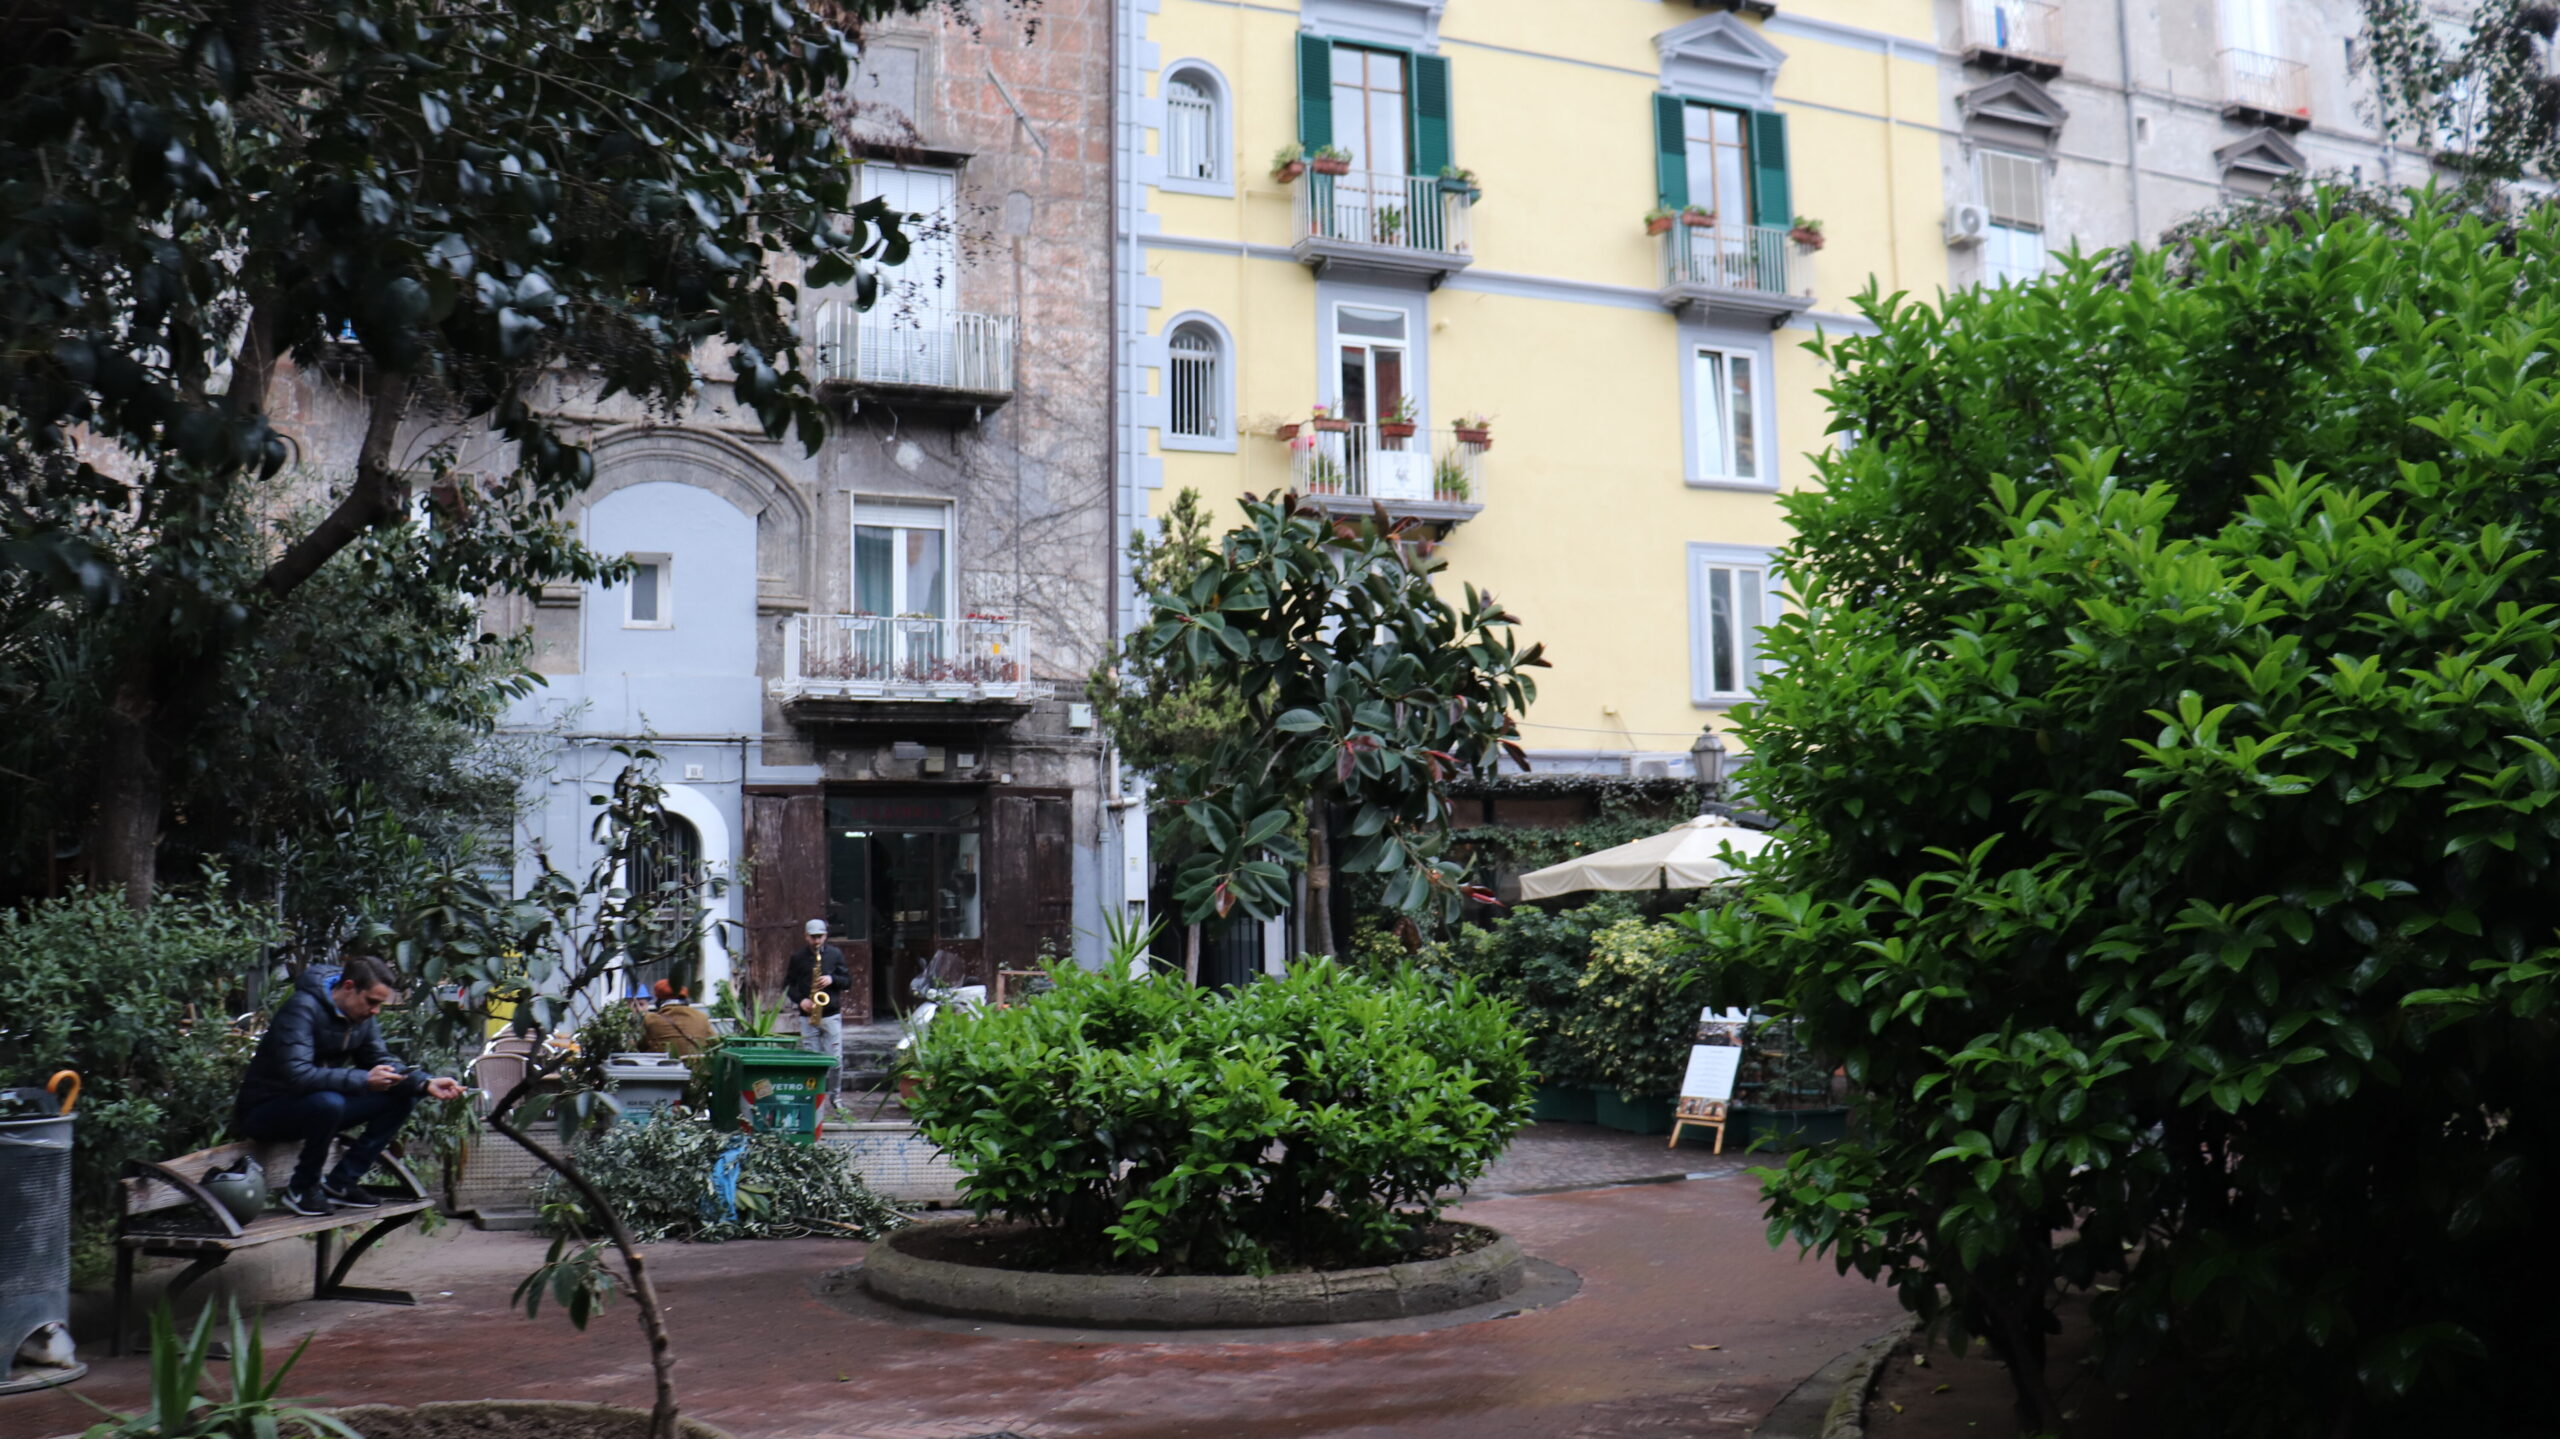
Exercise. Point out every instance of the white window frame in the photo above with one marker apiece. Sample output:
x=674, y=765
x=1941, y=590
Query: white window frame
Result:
x=1212, y=82
x=2011, y=237
x=665, y=565
x=1705, y=562
x=1223, y=386
x=1712, y=463
x=898, y=516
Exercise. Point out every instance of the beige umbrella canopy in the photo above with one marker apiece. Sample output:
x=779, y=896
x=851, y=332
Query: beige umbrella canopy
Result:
x=1687, y=857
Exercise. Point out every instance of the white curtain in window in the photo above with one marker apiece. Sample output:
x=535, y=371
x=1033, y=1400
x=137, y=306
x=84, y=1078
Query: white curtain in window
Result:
x=1190, y=130
x=1192, y=385
x=1728, y=415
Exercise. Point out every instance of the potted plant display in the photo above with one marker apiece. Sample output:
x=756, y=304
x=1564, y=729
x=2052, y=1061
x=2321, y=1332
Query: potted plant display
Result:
x=1659, y=219
x=1785, y=1095
x=1806, y=232
x=1330, y=160
x=1460, y=181
x=1398, y=423
x=1285, y=432
x=1327, y=422
x=1697, y=217
x=1324, y=475
x=1289, y=163
x=1450, y=481
x=1476, y=430
x=1390, y=225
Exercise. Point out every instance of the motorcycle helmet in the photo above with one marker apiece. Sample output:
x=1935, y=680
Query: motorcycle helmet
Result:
x=242, y=1189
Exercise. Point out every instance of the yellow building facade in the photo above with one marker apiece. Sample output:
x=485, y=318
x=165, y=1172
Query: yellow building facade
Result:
x=1353, y=228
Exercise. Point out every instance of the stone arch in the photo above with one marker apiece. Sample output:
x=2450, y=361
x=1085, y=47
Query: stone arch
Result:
x=785, y=523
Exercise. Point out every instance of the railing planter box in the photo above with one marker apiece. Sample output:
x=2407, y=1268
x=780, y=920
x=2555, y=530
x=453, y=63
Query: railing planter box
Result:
x=1658, y=225
x=1286, y=433
x=1330, y=167
x=1698, y=219
x=1466, y=190
x=1481, y=439
x=1809, y=239
x=1288, y=173
x=1395, y=430
x=1647, y=1114
x=1559, y=1103
x=1332, y=427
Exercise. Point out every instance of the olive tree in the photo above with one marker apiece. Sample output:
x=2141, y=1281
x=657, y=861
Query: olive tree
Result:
x=2169, y=744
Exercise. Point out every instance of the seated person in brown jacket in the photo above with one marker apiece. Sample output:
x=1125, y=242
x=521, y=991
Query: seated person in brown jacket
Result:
x=675, y=1026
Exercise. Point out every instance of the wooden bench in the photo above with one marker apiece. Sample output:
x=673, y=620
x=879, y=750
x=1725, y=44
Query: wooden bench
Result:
x=168, y=1214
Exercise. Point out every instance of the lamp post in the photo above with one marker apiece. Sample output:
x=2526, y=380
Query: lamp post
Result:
x=1706, y=762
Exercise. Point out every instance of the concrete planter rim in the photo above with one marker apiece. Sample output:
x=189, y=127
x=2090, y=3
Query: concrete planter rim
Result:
x=687, y=1427
x=1192, y=1301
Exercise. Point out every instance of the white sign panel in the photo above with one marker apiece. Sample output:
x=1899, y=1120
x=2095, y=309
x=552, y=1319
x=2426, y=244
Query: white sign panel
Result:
x=1711, y=1071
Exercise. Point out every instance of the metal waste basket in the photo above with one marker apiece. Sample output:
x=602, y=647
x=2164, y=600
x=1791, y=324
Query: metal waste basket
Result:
x=35, y=1236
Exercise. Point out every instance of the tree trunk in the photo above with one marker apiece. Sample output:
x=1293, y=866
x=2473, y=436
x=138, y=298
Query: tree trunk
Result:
x=1319, y=879
x=1191, y=955
x=124, y=838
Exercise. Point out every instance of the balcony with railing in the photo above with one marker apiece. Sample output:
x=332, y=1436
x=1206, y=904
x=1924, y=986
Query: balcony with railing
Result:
x=1381, y=224
x=954, y=363
x=2014, y=35
x=2261, y=89
x=1436, y=476
x=836, y=666
x=1753, y=272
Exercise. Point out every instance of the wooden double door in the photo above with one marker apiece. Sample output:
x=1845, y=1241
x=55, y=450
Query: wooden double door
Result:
x=966, y=880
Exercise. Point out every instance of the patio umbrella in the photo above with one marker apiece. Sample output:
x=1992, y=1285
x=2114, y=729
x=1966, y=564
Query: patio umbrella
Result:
x=1686, y=857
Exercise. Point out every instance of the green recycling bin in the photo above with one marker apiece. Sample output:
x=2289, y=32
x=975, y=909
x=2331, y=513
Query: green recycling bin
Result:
x=774, y=1090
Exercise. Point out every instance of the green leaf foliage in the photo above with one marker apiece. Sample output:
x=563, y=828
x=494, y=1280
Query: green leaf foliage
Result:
x=1309, y=1119
x=1360, y=686
x=658, y=1177
x=2168, y=744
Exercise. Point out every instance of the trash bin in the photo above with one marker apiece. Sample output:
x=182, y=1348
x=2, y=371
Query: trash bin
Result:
x=35, y=1236
x=776, y=1090
x=646, y=1082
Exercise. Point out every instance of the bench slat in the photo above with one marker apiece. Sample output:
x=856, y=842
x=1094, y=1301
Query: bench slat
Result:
x=272, y=1227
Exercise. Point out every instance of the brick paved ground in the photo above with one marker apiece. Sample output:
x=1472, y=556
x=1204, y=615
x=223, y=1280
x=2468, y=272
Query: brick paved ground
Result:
x=1572, y=1156
x=1686, y=1323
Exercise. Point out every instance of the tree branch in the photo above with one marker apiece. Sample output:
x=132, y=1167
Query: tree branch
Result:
x=253, y=368
x=375, y=500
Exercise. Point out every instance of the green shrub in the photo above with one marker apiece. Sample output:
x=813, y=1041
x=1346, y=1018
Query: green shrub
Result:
x=137, y=1004
x=1306, y=1120
x=2167, y=736
x=660, y=1176
x=1633, y=1017
x=1534, y=958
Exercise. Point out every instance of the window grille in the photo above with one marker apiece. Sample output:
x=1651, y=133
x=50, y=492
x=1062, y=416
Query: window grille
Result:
x=1192, y=385
x=1190, y=131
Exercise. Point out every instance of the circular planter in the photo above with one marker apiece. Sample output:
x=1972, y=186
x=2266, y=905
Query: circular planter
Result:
x=511, y=1419
x=1189, y=1301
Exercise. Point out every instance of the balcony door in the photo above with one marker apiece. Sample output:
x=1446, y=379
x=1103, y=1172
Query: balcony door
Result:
x=1373, y=377
x=1719, y=156
x=909, y=338
x=1370, y=117
x=901, y=589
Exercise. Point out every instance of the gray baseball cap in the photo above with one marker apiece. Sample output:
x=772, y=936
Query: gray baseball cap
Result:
x=817, y=926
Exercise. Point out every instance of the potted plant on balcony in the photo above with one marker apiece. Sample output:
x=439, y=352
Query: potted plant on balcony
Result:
x=1806, y=232
x=1327, y=422
x=1450, y=480
x=1285, y=431
x=1330, y=160
x=1289, y=163
x=1476, y=430
x=1697, y=217
x=1390, y=225
x=1659, y=219
x=1460, y=181
x=1398, y=423
x=1324, y=474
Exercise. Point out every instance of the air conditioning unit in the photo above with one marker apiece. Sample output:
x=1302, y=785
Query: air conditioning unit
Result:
x=1967, y=224
x=1650, y=769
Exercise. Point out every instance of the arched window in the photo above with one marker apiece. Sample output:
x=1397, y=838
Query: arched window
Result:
x=667, y=865
x=1195, y=391
x=1195, y=131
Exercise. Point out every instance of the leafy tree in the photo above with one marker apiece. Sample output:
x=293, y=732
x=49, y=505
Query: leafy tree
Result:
x=1360, y=687
x=2168, y=743
x=2486, y=91
x=1158, y=712
x=451, y=199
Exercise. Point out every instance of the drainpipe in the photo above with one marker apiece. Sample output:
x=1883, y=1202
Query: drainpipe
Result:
x=1117, y=861
x=2132, y=149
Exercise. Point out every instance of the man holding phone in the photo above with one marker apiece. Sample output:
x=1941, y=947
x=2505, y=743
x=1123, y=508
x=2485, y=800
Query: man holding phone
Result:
x=320, y=1070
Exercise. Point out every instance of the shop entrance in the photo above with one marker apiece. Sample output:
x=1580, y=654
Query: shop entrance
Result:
x=904, y=879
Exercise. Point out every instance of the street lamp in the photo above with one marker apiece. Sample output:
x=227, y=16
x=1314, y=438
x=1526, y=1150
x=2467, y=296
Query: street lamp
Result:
x=1706, y=762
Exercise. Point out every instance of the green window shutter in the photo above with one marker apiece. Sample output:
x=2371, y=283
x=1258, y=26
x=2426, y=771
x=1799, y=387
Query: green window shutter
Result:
x=1671, y=150
x=1430, y=91
x=1315, y=92
x=1771, y=202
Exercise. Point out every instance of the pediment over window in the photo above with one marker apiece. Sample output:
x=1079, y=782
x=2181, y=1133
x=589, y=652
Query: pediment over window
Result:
x=1720, y=58
x=2265, y=154
x=2013, y=110
x=1413, y=24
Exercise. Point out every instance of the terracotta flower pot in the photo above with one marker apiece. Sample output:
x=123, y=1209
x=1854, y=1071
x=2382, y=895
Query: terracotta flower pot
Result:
x=1809, y=239
x=1290, y=172
x=1395, y=430
x=1333, y=427
x=1481, y=439
x=907, y=1086
x=1331, y=167
x=1658, y=225
x=1698, y=222
x=1286, y=432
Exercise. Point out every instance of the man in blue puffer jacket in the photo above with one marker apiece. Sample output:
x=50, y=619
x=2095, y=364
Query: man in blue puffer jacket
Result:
x=322, y=1069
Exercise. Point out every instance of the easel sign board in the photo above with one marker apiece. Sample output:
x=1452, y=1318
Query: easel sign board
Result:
x=1712, y=1068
